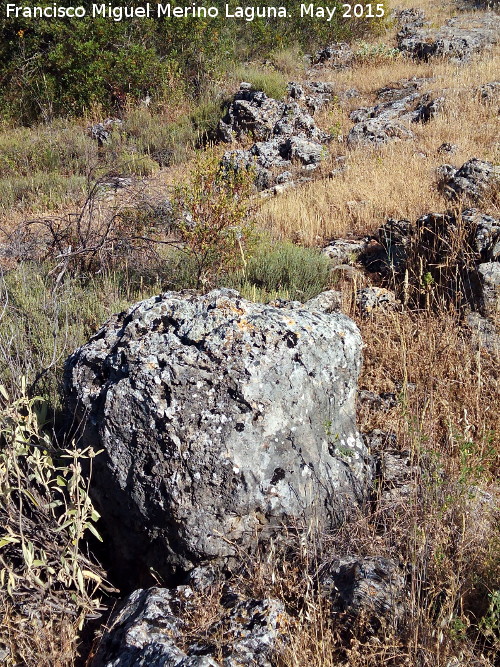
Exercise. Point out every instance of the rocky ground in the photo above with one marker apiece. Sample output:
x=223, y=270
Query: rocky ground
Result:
x=314, y=481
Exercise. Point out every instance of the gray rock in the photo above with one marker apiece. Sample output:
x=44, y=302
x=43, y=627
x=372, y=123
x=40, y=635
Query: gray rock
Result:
x=101, y=132
x=489, y=92
x=284, y=133
x=486, y=231
x=284, y=177
x=349, y=94
x=255, y=114
x=484, y=332
x=253, y=162
x=306, y=152
x=489, y=276
x=379, y=441
x=411, y=108
x=409, y=17
x=271, y=154
x=446, y=147
x=145, y=632
x=370, y=589
x=315, y=94
x=372, y=299
x=338, y=55
x=457, y=39
x=265, y=156
x=254, y=630
x=396, y=476
x=150, y=626
x=345, y=251
x=402, y=89
x=475, y=180
x=326, y=302
x=295, y=122
x=394, y=237
x=211, y=411
x=295, y=90
x=377, y=132
x=377, y=402
x=387, y=121
x=445, y=173
x=251, y=112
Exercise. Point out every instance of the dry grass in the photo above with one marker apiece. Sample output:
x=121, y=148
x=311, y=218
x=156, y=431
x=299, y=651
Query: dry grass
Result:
x=375, y=186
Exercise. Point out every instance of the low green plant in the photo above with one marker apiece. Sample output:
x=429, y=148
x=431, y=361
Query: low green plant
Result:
x=41, y=191
x=366, y=51
x=272, y=82
x=284, y=270
x=46, y=513
x=490, y=623
x=43, y=322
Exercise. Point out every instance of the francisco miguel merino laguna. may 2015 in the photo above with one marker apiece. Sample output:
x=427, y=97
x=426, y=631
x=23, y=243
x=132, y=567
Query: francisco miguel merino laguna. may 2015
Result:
x=149, y=10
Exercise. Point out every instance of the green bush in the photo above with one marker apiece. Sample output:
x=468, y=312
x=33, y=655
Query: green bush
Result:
x=284, y=270
x=46, y=515
x=58, y=67
x=61, y=146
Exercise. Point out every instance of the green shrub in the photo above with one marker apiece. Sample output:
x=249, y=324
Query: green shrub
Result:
x=284, y=270
x=59, y=67
x=46, y=515
x=60, y=146
x=213, y=227
x=288, y=61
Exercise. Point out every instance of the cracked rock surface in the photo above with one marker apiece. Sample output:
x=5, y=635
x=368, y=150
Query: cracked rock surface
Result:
x=219, y=419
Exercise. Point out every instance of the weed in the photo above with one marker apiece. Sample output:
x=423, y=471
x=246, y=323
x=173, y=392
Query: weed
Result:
x=278, y=268
x=45, y=513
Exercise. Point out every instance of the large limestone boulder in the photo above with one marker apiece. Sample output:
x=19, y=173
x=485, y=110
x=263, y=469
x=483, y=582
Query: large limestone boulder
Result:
x=220, y=420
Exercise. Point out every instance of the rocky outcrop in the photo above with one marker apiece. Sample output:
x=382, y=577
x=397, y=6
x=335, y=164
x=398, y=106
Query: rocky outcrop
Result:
x=484, y=332
x=252, y=113
x=287, y=138
x=456, y=254
x=474, y=180
x=101, y=132
x=150, y=627
x=326, y=302
x=338, y=55
x=345, y=251
x=400, y=105
x=458, y=39
x=315, y=94
x=377, y=132
x=219, y=420
x=486, y=234
x=377, y=402
x=489, y=93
